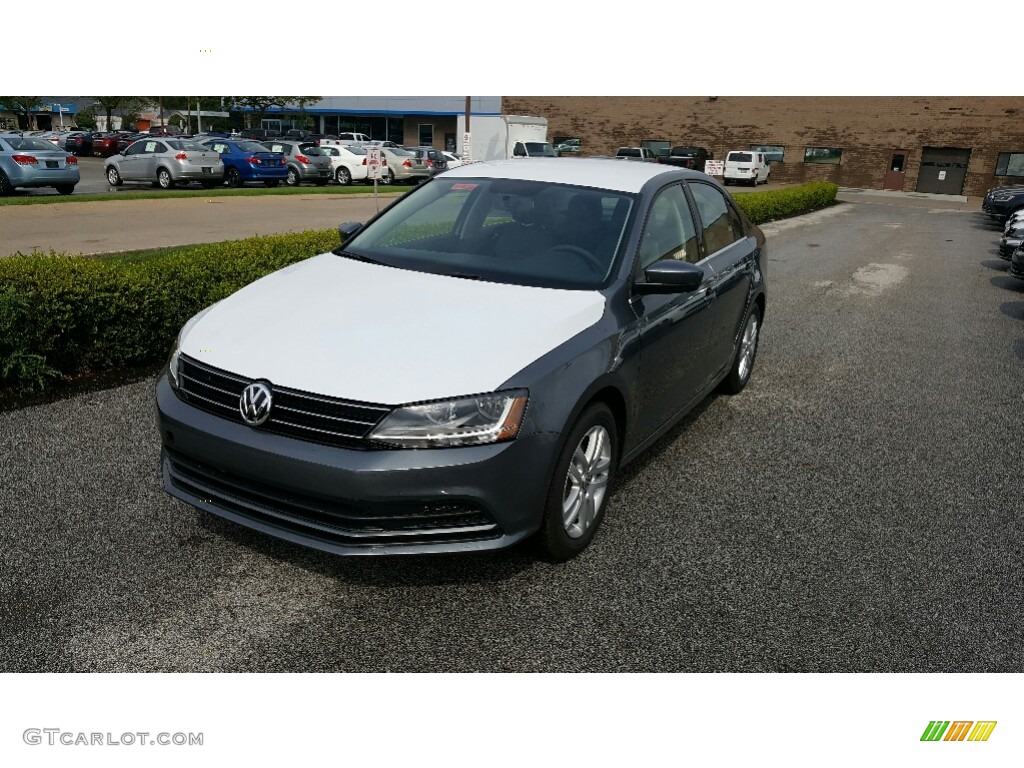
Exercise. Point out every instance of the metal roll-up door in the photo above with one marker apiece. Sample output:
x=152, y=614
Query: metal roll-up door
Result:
x=943, y=170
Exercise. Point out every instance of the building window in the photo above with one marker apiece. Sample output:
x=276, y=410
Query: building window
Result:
x=828, y=155
x=772, y=153
x=1010, y=164
x=426, y=135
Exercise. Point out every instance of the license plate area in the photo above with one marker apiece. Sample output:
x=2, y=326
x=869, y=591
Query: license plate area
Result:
x=206, y=170
x=51, y=163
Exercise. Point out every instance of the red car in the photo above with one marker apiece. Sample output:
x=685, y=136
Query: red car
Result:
x=105, y=144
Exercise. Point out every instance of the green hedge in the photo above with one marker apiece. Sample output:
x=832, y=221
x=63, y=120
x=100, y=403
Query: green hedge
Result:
x=790, y=201
x=67, y=316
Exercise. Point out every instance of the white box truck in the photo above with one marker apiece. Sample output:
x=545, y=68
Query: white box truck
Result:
x=500, y=137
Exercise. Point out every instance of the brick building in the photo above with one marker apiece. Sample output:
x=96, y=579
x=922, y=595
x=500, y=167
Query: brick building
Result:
x=952, y=145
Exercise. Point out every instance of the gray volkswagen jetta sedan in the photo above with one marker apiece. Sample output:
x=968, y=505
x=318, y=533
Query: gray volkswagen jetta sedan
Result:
x=472, y=366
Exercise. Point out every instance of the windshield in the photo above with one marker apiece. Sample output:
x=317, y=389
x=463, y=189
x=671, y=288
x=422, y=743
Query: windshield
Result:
x=540, y=149
x=187, y=146
x=502, y=230
x=36, y=145
x=251, y=146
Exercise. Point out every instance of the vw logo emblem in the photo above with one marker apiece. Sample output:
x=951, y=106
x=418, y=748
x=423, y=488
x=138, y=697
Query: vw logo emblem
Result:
x=255, y=403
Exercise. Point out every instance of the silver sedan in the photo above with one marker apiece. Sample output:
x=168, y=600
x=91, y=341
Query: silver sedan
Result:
x=165, y=162
x=35, y=162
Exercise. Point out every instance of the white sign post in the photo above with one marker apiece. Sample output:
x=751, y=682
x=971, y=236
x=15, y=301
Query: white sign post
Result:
x=375, y=165
x=467, y=147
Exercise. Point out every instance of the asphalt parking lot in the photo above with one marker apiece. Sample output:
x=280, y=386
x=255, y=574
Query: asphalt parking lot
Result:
x=856, y=508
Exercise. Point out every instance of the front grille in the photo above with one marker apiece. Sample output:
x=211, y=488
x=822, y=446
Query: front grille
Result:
x=301, y=415
x=347, y=524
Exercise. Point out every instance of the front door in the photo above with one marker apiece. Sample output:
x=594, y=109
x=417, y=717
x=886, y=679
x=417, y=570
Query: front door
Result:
x=897, y=170
x=674, y=328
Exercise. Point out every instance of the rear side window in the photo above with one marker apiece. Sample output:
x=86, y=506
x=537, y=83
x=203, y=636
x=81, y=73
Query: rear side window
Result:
x=721, y=224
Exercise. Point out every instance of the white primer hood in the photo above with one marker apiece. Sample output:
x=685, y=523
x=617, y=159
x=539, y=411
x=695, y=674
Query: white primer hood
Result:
x=342, y=328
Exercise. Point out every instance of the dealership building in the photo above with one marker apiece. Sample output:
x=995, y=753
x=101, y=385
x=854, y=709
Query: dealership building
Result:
x=947, y=145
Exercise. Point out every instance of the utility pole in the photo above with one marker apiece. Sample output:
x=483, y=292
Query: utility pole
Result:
x=467, y=136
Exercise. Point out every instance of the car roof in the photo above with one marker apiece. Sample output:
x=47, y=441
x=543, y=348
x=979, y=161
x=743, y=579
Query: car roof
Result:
x=598, y=172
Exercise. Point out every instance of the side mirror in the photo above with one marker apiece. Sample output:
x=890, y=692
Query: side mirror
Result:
x=671, y=276
x=348, y=228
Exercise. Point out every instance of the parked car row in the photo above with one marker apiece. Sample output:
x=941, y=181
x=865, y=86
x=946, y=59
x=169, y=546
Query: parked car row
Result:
x=167, y=158
x=1006, y=206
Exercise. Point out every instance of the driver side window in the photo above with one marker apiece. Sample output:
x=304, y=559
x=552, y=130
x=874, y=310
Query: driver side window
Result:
x=669, y=232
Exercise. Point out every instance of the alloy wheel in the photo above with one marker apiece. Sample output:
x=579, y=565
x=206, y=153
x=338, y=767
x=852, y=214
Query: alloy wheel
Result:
x=586, y=482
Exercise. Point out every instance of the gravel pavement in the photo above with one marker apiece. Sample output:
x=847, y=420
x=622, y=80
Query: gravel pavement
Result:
x=856, y=508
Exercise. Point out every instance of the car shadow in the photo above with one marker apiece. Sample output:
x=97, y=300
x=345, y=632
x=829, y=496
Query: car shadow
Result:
x=1009, y=283
x=997, y=264
x=983, y=222
x=1014, y=309
x=664, y=442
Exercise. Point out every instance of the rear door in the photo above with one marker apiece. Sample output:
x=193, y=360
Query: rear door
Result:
x=729, y=253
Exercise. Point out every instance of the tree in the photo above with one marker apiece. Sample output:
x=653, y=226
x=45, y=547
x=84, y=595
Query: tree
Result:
x=263, y=104
x=127, y=105
x=23, y=105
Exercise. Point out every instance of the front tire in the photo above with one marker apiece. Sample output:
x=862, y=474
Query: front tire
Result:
x=746, y=352
x=273, y=183
x=114, y=177
x=6, y=188
x=233, y=178
x=578, y=494
x=343, y=176
x=293, y=178
x=164, y=180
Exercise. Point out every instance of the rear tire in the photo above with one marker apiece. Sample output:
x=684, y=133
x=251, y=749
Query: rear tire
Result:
x=163, y=179
x=746, y=353
x=65, y=189
x=208, y=184
x=579, y=490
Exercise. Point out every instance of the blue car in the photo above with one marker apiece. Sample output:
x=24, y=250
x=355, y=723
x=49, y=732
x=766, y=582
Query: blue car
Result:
x=32, y=162
x=246, y=160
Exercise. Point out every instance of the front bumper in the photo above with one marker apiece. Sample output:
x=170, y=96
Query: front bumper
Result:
x=353, y=502
x=1017, y=264
x=1007, y=245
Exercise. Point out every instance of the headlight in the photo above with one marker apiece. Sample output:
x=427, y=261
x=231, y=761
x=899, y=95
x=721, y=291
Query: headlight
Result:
x=463, y=421
x=172, y=363
x=1001, y=198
